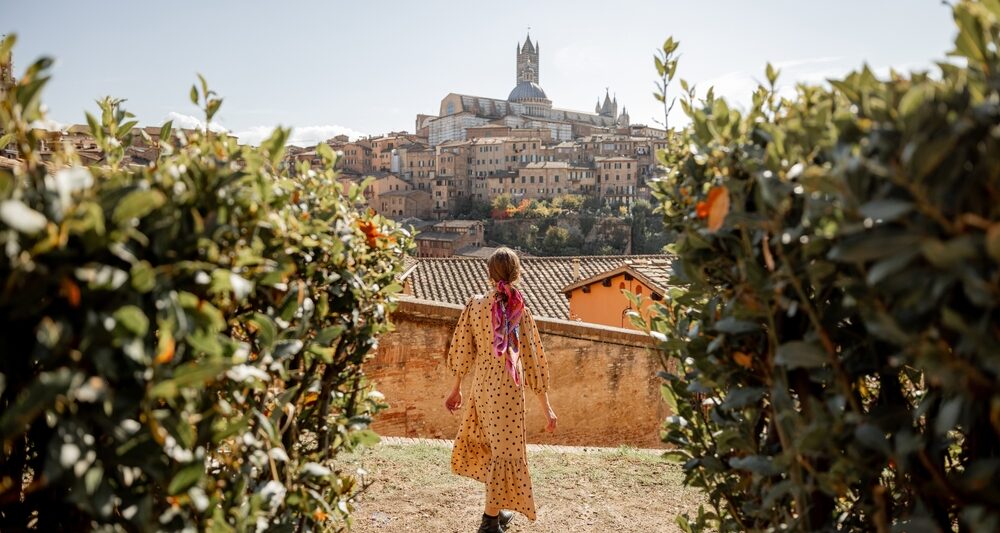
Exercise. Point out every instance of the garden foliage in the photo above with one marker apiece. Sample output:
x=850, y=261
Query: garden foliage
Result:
x=181, y=341
x=832, y=348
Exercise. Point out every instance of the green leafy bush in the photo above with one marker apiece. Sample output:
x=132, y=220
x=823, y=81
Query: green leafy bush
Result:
x=182, y=341
x=832, y=350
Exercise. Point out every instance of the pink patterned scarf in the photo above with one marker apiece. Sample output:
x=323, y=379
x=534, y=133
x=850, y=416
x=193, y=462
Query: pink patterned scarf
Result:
x=506, y=320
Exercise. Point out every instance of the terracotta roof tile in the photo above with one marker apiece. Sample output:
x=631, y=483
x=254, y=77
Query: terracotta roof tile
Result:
x=456, y=279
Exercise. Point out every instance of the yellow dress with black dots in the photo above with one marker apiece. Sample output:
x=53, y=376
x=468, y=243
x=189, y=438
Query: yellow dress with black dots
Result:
x=490, y=446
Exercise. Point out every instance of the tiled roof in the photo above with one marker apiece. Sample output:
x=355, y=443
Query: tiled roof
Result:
x=406, y=193
x=654, y=271
x=437, y=236
x=458, y=223
x=456, y=279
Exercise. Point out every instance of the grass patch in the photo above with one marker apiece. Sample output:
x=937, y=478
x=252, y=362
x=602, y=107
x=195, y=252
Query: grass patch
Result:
x=624, y=489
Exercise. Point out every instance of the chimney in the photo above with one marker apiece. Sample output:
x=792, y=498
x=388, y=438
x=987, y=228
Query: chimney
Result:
x=576, y=269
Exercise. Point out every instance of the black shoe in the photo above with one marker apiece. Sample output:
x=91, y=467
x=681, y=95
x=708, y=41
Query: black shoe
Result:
x=506, y=517
x=491, y=524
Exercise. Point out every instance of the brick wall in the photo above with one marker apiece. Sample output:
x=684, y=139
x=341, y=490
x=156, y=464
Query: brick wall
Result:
x=604, y=386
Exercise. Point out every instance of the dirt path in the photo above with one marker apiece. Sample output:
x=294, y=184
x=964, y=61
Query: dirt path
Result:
x=597, y=490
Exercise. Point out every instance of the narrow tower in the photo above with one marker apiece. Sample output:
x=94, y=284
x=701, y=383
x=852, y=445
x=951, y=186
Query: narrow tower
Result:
x=527, y=61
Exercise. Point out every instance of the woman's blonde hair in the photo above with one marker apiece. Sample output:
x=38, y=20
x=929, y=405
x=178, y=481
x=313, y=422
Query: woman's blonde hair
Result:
x=504, y=265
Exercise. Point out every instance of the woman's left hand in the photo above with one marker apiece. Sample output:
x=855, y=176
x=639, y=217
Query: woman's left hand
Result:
x=454, y=401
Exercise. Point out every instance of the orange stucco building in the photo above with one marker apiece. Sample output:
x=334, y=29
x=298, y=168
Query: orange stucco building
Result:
x=600, y=299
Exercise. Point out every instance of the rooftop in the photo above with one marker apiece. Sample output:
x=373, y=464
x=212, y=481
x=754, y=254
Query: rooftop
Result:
x=437, y=236
x=555, y=164
x=653, y=271
x=458, y=223
x=407, y=193
x=456, y=279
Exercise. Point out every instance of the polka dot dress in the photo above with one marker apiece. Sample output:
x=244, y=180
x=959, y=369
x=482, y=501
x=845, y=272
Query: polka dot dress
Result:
x=490, y=443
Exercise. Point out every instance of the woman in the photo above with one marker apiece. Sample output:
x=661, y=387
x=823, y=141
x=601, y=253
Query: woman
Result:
x=489, y=338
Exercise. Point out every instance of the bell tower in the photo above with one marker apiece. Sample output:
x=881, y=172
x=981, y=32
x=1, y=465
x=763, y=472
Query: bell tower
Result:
x=527, y=61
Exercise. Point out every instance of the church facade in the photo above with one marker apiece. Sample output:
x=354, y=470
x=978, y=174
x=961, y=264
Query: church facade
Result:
x=526, y=107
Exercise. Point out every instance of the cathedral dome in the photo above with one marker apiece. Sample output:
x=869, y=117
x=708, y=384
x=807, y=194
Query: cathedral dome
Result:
x=527, y=90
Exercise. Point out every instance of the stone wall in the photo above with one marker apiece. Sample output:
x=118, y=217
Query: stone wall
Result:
x=604, y=386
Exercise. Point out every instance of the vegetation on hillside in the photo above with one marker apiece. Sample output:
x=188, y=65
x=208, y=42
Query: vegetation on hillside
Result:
x=181, y=341
x=831, y=351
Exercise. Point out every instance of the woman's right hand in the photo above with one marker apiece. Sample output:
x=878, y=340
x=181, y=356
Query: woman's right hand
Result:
x=550, y=414
x=454, y=401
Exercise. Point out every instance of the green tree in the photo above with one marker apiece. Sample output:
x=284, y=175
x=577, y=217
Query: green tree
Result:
x=831, y=352
x=469, y=208
x=555, y=240
x=182, y=341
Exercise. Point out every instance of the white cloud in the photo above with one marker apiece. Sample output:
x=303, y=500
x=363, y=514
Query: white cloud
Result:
x=49, y=125
x=301, y=135
x=191, y=123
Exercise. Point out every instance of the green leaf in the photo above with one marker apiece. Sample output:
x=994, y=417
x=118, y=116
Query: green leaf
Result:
x=669, y=397
x=137, y=204
x=125, y=128
x=873, y=438
x=328, y=335
x=757, y=464
x=187, y=477
x=327, y=153
x=366, y=438
x=885, y=210
x=884, y=326
x=166, y=130
x=143, y=277
x=266, y=331
x=132, y=319
x=914, y=99
x=800, y=354
x=40, y=395
x=735, y=327
x=871, y=246
x=742, y=397
x=191, y=374
x=194, y=95
x=772, y=74
x=971, y=39
x=6, y=45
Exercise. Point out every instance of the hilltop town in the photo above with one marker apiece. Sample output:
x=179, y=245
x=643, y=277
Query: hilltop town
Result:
x=479, y=158
x=482, y=156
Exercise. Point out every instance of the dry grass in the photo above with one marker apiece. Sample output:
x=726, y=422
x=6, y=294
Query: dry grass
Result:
x=621, y=491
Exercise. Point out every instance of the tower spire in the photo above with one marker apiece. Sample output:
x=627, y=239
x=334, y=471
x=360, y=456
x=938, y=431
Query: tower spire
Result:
x=527, y=61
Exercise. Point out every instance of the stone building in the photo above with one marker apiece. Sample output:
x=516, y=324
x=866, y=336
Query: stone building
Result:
x=402, y=204
x=617, y=179
x=527, y=106
x=543, y=179
x=445, y=239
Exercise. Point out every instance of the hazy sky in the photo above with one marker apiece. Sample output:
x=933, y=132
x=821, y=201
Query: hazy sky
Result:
x=327, y=67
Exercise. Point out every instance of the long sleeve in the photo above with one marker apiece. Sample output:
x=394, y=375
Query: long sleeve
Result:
x=462, y=349
x=536, y=371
